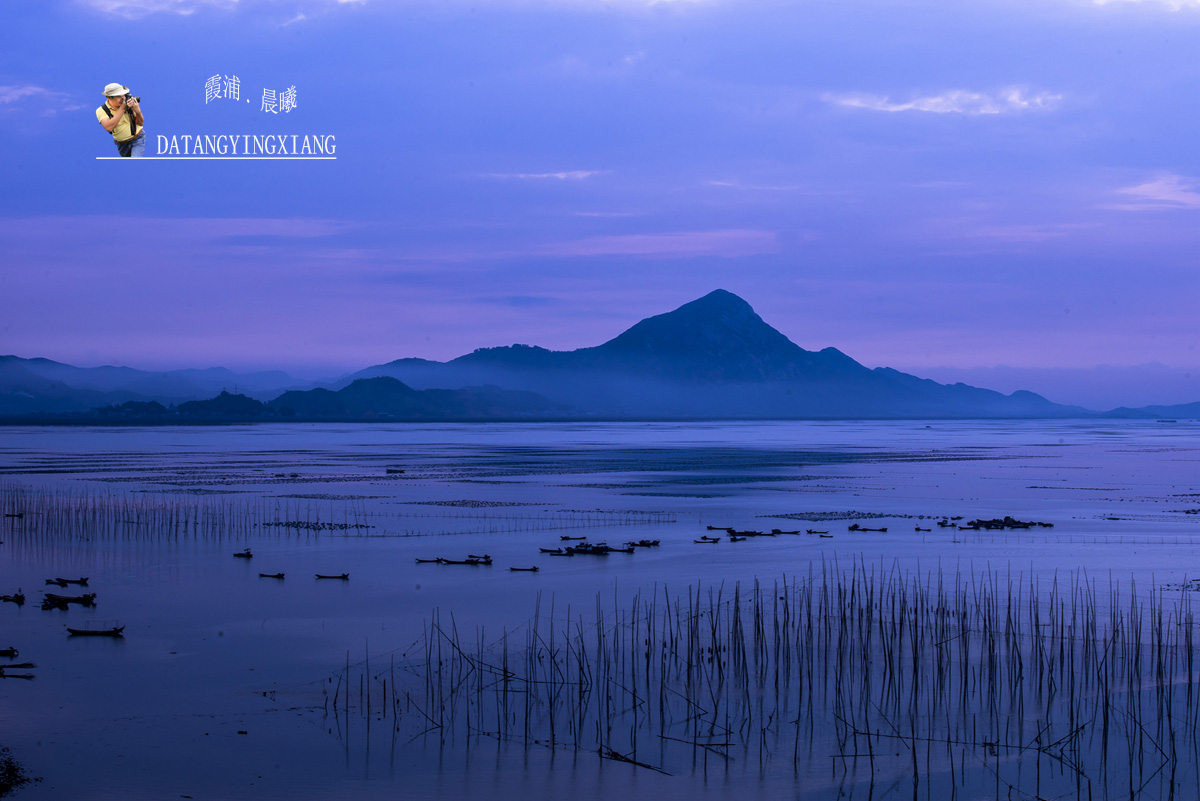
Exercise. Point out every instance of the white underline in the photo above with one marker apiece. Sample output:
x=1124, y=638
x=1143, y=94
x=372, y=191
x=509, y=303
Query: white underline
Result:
x=226, y=158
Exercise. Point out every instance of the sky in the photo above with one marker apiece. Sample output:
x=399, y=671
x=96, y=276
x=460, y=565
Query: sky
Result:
x=920, y=183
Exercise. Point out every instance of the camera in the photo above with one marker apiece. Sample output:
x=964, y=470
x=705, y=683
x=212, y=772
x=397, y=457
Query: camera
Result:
x=129, y=97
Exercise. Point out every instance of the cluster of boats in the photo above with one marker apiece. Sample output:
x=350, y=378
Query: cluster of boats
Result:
x=738, y=535
x=999, y=524
x=52, y=600
x=597, y=548
x=472, y=559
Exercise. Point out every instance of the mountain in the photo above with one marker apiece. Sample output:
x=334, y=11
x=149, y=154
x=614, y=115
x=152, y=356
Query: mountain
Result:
x=44, y=385
x=384, y=398
x=714, y=357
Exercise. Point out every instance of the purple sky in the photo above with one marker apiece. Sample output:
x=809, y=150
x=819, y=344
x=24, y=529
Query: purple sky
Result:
x=920, y=184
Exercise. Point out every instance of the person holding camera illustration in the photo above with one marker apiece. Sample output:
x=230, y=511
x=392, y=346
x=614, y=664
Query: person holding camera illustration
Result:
x=121, y=116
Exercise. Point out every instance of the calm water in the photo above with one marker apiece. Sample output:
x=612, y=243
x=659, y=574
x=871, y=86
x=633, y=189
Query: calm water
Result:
x=220, y=688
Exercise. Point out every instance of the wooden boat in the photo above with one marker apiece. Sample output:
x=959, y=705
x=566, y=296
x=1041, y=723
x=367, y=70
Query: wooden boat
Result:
x=533, y=569
x=62, y=582
x=642, y=544
x=710, y=539
x=918, y=528
x=18, y=598
x=9, y=653
x=16, y=515
x=718, y=528
x=428, y=561
x=554, y=551
x=270, y=575
x=342, y=576
x=467, y=561
x=83, y=600
x=244, y=554
x=826, y=536
x=4, y=675
x=857, y=527
x=115, y=631
x=814, y=531
x=707, y=540
x=565, y=538
x=481, y=557
x=736, y=538
x=778, y=531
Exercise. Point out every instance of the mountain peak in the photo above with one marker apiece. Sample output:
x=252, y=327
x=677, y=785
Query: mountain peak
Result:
x=716, y=337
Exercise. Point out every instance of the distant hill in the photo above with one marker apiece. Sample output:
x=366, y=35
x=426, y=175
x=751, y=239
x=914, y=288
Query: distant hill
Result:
x=384, y=398
x=714, y=357
x=44, y=385
x=366, y=399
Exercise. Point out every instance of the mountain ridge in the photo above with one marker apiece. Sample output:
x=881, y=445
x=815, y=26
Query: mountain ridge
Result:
x=712, y=357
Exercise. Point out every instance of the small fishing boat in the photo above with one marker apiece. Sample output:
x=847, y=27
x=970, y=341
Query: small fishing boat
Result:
x=918, y=528
x=707, y=540
x=62, y=582
x=244, y=554
x=533, y=569
x=826, y=536
x=814, y=531
x=778, y=531
x=735, y=538
x=434, y=560
x=565, y=538
x=17, y=598
x=115, y=631
x=88, y=599
x=270, y=575
x=642, y=544
x=554, y=551
x=481, y=557
x=342, y=576
x=9, y=653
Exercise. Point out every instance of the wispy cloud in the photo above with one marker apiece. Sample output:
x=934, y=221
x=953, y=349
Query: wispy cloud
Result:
x=956, y=101
x=1166, y=192
x=726, y=243
x=141, y=8
x=1173, y=5
x=37, y=99
x=736, y=184
x=565, y=175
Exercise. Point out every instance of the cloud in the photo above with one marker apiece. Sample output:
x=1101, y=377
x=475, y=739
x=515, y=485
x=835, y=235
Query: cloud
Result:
x=36, y=99
x=1166, y=192
x=131, y=9
x=726, y=243
x=736, y=184
x=139, y=8
x=956, y=101
x=566, y=175
x=1173, y=5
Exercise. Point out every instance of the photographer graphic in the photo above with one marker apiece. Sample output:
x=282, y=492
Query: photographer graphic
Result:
x=121, y=116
